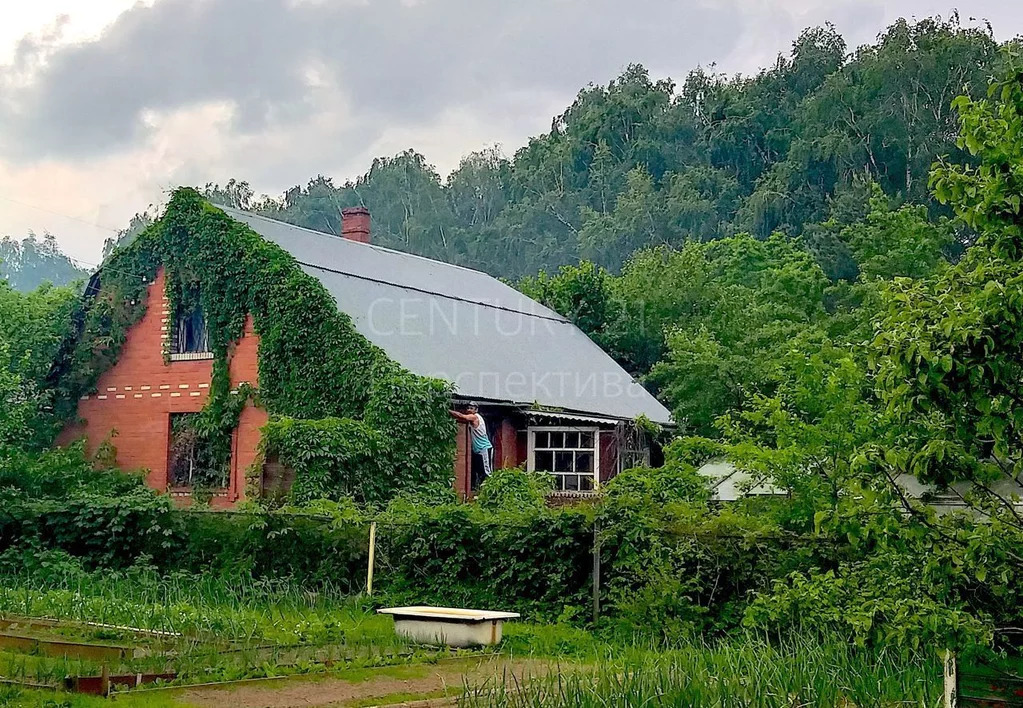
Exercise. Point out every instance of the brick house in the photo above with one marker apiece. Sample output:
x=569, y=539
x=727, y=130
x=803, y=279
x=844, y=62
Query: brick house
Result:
x=552, y=399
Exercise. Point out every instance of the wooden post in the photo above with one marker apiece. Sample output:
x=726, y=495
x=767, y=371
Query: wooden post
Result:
x=596, y=571
x=104, y=681
x=951, y=681
x=372, y=556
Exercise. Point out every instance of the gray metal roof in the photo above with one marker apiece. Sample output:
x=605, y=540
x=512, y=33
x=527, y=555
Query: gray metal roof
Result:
x=728, y=483
x=464, y=326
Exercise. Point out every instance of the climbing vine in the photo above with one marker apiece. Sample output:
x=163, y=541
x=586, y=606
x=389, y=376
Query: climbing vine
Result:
x=115, y=300
x=317, y=375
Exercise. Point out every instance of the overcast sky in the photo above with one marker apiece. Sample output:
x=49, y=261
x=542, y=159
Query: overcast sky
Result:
x=105, y=105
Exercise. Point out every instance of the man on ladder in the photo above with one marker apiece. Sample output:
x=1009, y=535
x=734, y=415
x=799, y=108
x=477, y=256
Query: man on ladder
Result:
x=482, y=448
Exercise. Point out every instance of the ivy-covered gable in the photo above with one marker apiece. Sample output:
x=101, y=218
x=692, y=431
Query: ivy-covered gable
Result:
x=328, y=390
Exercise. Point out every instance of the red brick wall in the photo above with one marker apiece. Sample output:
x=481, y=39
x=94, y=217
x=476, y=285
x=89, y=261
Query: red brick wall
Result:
x=507, y=452
x=134, y=399
x=463, y=468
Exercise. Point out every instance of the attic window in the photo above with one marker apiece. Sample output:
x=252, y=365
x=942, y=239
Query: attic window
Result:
x=190, y=339
x=570, y=454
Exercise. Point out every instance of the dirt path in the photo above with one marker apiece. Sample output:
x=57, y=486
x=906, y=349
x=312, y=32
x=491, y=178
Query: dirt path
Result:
x=414, y=685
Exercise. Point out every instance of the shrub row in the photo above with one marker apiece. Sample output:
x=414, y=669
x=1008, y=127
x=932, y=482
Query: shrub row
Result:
x=535, y=560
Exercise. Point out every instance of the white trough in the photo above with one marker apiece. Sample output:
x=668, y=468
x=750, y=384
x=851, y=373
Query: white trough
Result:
x=448, y=625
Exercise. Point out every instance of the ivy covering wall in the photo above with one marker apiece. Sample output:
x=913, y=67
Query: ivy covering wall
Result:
x=345, y=417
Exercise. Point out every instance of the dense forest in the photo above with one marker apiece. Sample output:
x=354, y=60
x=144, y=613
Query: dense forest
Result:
x=643, y=162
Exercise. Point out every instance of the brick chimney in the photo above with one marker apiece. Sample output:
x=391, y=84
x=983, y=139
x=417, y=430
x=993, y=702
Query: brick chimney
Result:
x=355, y=224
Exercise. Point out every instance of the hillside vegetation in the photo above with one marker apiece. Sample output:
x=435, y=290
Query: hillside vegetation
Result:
x=697, y=230
x=31, y=262
x=642, y=161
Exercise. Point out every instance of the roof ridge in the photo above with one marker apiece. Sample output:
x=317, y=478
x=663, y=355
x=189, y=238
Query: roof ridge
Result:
x=324, y=234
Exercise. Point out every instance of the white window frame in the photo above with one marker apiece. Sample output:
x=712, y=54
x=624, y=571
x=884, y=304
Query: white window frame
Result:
x=191, y=356
x=531, y=454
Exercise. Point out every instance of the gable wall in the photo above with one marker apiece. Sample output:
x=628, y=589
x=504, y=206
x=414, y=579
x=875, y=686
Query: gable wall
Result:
x=134, y=399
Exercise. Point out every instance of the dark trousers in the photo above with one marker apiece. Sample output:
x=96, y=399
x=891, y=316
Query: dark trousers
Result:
x=482, y=464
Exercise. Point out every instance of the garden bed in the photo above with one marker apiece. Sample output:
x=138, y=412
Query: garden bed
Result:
x=124, y=633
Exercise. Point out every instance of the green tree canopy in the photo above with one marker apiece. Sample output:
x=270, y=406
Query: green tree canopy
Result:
x=641, y=162
x=29, y=263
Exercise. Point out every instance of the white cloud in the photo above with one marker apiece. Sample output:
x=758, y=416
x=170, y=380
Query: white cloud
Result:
x=74, y=20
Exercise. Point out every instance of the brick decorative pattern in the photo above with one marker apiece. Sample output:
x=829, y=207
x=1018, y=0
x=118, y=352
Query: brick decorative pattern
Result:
x=136, y=396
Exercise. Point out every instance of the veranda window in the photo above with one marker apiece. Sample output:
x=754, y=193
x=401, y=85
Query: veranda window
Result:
x=570, y=454
x=633, y=450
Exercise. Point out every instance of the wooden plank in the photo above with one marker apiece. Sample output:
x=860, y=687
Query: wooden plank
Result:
x=63, y=648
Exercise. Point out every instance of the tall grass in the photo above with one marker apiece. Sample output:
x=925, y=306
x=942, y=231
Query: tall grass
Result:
x=198, y=605
x=215, y=627
x=746, y=672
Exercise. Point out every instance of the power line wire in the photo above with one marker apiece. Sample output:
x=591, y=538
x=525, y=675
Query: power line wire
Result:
x=57, y=213
x=77, y=261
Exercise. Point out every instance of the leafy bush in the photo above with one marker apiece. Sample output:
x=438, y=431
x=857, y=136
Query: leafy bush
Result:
x=514, y=489
x=303, y=549
x=18, y=404
x=674, y=566
x=332, y=457
x=59, y=506
x=59, y=473
x=693, y=451
x=646, y=488
x=536, y=561
x=880, y=603
x=32, y=326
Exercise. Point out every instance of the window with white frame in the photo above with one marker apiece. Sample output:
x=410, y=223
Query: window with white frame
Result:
x=572, y=455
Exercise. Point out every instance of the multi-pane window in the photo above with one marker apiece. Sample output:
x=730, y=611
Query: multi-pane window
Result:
x=570, y=454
